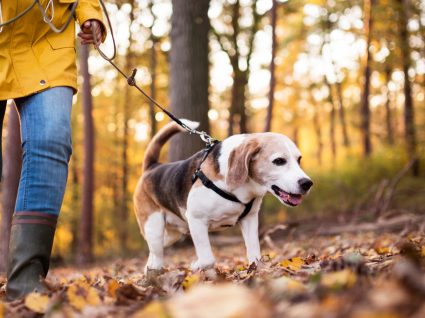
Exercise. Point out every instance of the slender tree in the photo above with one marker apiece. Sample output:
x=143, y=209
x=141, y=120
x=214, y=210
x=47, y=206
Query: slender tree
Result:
x=86, y=225
x=365, y=109
x=230, y=43
x=388, y=112
x=153, y=70
x=409, y=114
x=273, y=19
x=11, y=173
x=189, y=68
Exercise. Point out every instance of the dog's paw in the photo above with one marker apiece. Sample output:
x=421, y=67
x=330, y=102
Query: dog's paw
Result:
x=198, y=265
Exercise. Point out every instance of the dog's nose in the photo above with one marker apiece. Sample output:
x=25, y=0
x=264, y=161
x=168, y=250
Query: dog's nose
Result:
x=305, y=184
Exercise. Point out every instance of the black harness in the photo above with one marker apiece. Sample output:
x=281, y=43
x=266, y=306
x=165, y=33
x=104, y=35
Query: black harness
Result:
x=210, y=185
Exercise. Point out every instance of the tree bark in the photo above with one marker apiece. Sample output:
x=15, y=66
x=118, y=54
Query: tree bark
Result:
x=11, y=175
x=123, y=209
x=341, y=113
x=332, y=137
x=272, y=68
x=318, y=130
x=189, y=68
x=153, y=69
x=388, y=113
x=409, y=114
x=86, y=225
x=153, y=66
x=365, y=109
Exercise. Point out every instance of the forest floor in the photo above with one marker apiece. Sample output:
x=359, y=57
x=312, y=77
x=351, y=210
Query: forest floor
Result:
x=308, y=270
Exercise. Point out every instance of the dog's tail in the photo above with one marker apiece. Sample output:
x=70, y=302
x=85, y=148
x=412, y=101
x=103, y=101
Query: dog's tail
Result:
x=165, y=133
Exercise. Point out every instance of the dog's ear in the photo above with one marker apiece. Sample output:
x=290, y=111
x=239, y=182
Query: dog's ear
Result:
x=238, y=167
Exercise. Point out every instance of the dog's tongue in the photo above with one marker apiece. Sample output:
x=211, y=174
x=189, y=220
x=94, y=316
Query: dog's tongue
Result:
x=294, y=199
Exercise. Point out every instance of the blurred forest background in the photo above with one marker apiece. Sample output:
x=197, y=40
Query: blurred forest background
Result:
x=344, y=79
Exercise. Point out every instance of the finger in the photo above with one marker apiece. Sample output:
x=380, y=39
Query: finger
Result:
x=85, y=35
x=87, y=24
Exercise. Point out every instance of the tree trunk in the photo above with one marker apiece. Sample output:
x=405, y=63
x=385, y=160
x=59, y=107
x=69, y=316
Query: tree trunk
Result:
x=11, y=174
x=269, y=116
x=75, y=195
x=189, y=68
x=123, y=209
x=365, y=109
x=341, y=113
x=409, y=115
x=153, y=66
x=388, y=113
x=318, y=131
x=332, y=137
x=86, y=225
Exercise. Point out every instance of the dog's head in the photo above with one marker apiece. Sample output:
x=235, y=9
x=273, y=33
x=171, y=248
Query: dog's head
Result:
x=273, y=161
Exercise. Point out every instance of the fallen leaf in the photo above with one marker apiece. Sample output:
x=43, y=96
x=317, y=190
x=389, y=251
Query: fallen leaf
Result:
x=190, y=280
x=294, y=263
x=37, y=302
x=286, y=286
x=112, y=287
x=339, y=279
x=2, y=309
x=81, y=294
x=423, y=251
x=154, y=310
x=381, y=250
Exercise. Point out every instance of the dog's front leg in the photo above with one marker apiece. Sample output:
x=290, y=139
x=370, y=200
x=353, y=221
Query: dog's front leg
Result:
x=249, y=227
x=199, y=233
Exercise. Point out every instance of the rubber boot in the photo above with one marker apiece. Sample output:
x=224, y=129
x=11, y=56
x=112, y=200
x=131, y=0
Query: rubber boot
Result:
x=30, y=247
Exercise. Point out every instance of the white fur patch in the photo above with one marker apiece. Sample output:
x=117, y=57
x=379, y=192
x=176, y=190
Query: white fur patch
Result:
x=154, y=234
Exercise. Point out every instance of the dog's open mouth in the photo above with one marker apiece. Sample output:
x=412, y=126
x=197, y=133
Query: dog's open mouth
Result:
x=288, y=198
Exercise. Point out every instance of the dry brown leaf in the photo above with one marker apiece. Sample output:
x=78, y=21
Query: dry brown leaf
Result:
x=2, y=309
x=382, y=250
x=37, y=302
x=112, y=287
x=155, y=309
x=343, y=278
x=81, y=294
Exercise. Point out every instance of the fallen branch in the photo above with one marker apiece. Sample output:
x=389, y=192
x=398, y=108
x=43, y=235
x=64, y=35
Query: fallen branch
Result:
x=393, y=223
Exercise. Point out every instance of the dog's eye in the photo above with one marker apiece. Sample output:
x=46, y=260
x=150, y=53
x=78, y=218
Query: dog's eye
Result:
x=299, y=160
x=279, y=161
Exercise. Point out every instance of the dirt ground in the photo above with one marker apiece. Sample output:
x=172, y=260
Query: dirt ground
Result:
x=310, y=270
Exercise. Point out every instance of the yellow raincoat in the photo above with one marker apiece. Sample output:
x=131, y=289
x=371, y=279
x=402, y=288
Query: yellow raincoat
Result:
x=32, y=56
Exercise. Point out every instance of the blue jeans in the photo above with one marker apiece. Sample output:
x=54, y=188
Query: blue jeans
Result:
x=46, y=143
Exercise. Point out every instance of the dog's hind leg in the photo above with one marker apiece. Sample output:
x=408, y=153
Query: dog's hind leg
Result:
x=154, y=230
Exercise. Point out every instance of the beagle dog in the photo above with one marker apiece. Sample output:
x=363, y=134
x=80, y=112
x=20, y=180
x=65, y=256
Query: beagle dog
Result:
x=169, y=202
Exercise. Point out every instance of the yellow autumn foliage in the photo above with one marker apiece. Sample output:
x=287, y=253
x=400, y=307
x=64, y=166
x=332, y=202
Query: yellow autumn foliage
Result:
x=81, y=294
x=37, y=302
x=294, y=263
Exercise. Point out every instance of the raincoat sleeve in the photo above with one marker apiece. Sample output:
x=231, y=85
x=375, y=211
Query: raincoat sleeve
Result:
x=90, y=10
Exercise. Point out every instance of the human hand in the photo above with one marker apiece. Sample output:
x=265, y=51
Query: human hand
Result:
x=86, y=34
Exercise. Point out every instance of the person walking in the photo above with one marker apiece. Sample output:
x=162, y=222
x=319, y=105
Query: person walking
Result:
x=38, y=72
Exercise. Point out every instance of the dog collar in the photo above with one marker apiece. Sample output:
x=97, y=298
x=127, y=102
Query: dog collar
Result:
x=210, y=185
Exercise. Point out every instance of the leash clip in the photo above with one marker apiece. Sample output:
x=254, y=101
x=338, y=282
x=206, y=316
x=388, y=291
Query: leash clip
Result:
x=131, y=79
x=206, y=138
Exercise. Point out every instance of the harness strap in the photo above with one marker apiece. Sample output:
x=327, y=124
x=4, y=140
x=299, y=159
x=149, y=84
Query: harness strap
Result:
x=210, y=185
